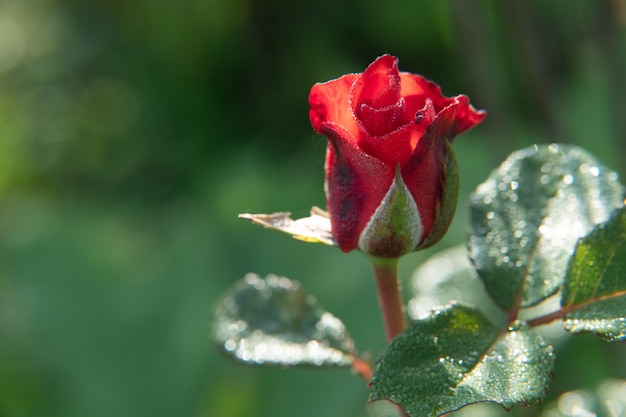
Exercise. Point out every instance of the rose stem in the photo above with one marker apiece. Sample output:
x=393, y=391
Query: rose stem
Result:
x=386, y=272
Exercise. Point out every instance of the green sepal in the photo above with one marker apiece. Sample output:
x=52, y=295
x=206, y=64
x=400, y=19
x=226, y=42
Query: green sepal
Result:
x=446, y=207
x=395, y=227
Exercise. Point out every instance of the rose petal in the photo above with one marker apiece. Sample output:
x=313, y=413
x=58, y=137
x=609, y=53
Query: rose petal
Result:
x=422, y=175
x=379, y=122
x=416, y=89
x=329, y=103
x=379, y=85
x=456, y=118
x=356, y=183
x=397, y=147
x=467, y=116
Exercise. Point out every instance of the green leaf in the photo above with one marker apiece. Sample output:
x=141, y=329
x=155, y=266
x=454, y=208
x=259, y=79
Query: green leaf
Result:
x=315, y=228
x=455, y=358
x=595, y=285
x=273, y=321
x=527, y=217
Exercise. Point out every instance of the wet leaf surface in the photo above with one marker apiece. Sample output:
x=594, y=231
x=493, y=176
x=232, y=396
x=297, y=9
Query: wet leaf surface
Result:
x=273, y=321
x=456, y=357
x=595, y=286
x=527, y=217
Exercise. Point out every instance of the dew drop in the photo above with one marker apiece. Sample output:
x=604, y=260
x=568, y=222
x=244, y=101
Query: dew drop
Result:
x=553, y=148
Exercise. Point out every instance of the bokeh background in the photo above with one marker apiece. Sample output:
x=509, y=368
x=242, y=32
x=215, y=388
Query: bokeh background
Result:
x=133, y=133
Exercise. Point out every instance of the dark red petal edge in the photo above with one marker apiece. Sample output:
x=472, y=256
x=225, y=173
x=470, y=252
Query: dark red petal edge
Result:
x=422, y=176
x=356, y=183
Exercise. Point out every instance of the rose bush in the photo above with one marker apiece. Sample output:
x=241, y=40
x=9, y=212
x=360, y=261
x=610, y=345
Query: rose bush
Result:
x=391, y=182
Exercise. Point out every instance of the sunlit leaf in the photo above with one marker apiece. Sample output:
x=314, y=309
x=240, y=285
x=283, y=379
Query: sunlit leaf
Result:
x=456, y=357
x=315, y=228
x=273, y=321
x=595, y=285
x=528, y=215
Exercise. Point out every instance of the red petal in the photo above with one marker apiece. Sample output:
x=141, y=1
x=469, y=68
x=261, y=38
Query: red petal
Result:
x=467, y=116
x=356, y=183
x=330, y=103
x=379, y=122
x=379, y=85
x=416, y=89
x=424, y=172
x=398, y=146
x=376, y=100
x=456, y=118
x=422, y=175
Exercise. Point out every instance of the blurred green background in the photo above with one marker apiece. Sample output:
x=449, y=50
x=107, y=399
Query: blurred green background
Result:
x=133, y=133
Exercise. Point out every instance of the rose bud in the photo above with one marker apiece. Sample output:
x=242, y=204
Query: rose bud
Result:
x=391, y=174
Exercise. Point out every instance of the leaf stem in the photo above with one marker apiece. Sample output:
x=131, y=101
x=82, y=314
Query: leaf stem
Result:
x=548, y=318
x=389, y=297
x=517, y=302
x=559, y=314
x=363, y=368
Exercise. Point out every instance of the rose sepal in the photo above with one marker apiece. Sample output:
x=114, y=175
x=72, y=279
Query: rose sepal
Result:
x=395, y=228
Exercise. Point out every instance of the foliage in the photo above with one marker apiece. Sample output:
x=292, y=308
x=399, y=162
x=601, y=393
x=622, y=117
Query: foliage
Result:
x=549, y=217
x=457, y=357
x=131, y=133
x=274, y=322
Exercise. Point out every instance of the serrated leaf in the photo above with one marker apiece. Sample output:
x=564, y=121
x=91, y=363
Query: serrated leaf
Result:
x=457, y=357
x=273, y=321
x=595, y=285
x=528, y=215
x=315, y=228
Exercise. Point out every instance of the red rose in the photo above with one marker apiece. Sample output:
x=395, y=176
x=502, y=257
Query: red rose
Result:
x=391, y=180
